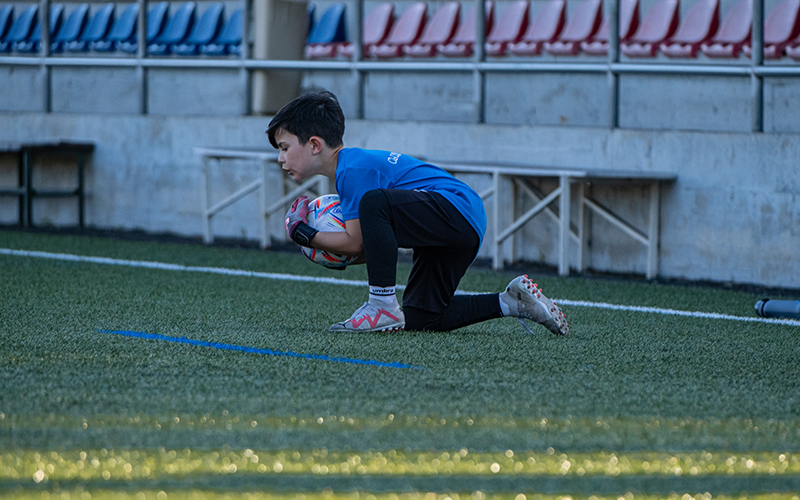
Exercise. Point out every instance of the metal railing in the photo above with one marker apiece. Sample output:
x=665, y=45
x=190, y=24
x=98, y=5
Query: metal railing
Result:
x=477, y=64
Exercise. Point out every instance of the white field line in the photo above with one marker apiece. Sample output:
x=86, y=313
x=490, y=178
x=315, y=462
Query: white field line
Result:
x=334, y=281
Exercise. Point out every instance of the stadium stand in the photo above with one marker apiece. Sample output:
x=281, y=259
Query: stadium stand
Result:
x=793, y=49
x=229, y=40
x=463, y=42
x=546, y=26
x=205, y=30
x=33, y=43
x=96, y=29
x=6, y=18
x=581, y=27
x=659, y=24
x=71, y=29
x=376, y=27
x=628, y=24
x=156, y=19
x=733, y=33
x=176, y=30
x=405, y=31
x=439, y=31
x=781, y=26
x=328, y=32
x=510, y=28
x=697, y=26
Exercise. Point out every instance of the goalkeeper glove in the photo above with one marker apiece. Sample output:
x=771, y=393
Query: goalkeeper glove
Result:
x=297, y=223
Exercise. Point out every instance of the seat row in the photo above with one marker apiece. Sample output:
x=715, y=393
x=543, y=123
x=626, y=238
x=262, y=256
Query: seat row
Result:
x=182, y=32
x=520, y=31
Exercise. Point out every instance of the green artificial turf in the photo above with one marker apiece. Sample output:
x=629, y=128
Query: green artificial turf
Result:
x=635, y=387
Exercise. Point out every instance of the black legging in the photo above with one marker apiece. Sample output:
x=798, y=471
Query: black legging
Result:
x=444, y=245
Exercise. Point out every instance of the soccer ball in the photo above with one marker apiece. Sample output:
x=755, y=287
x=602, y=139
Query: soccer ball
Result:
x=325, y=215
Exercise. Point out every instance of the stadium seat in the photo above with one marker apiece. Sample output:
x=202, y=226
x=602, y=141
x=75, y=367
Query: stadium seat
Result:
x=628, y=24
x=581, y=27
x=463, y=42
x=733, y=33
x=176, y=30
x=71, y=29
x=97, y=29
x=229, y=40
x=405, y=31
x=122, y=29
x=546, y=26
x=697, y=26
x=328, y=32
x=439, y=31
x=659, y=24
x=205, y=30
x=793, y=49
x=6, y=19
x=33, y=43
x=781, y=26
x=509, y=28
x=377, y=25
x=21, y=28
x=156, y=19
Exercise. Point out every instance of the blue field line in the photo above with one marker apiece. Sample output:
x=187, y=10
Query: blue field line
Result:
x=255, y=350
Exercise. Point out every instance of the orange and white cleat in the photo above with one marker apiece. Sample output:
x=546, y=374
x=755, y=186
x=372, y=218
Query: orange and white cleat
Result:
x=371, y=318
x=527, y=301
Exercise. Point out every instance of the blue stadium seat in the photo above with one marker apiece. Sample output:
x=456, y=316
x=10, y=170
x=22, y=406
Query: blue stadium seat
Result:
x=123, y=29
x=205, y=30
x=96, y=30
x=32, y=44
x=71, y=29
x=229, y=40
x=21, y=29
x=156, y=19
x=176, y=31
x=6, y=17
x=327, y=32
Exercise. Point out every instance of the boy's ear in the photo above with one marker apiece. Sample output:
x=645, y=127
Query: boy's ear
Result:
x=317, y=143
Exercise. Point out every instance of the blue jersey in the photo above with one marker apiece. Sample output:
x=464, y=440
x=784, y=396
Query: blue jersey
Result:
x=360, y=170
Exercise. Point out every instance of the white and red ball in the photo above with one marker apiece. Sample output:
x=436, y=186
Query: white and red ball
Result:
x=325, y=215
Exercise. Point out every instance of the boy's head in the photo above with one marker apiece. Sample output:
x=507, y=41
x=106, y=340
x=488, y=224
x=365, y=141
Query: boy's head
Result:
x=314, y=114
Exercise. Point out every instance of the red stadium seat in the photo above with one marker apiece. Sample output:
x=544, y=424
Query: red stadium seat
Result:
x=509, y=28
x=439, y=31
x=793, y=49
x=405, y=31
x=781, y=26
x=546, y=27
x=733, y=34
x=628, y=24
x=698, y=26
x=659, y=24
x=377, y=25
x=462, y=43
x=583, y=24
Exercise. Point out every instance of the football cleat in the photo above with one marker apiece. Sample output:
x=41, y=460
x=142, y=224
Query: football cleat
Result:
x=526, y=300
x=372, y=318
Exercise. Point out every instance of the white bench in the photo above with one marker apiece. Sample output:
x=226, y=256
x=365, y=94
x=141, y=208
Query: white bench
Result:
x=502, y=230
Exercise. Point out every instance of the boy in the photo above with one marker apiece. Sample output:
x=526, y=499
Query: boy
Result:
x=392, y=201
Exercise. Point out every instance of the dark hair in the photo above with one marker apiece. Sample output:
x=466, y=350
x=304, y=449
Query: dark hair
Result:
x=312, y=114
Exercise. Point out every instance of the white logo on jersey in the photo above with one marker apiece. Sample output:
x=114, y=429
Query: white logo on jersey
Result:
x=393, y=157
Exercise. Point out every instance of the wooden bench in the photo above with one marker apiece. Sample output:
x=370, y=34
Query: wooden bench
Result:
x=502, y=230
x=26, y=154
x=497, y=195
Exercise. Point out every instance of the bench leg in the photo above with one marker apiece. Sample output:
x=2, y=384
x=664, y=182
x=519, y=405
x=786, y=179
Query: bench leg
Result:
x=564, y=217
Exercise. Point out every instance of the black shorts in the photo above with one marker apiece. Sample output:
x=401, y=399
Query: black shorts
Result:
x=444, y=244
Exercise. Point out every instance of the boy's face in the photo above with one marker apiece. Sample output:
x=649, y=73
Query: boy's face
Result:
x=297, y=159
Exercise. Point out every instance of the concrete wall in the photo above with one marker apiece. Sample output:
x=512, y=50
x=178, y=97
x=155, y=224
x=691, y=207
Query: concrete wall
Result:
x=733, y=215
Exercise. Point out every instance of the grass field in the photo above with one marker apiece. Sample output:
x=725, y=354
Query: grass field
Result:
x=124, y=379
